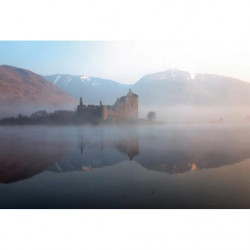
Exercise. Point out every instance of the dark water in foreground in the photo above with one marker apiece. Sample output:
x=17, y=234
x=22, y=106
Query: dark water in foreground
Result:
x=173, y=166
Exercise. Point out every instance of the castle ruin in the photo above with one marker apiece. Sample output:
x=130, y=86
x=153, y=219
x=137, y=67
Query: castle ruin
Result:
x=124, y=109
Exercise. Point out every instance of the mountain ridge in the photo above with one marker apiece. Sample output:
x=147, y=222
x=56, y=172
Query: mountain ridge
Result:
x=167, y=88
x=92, y=89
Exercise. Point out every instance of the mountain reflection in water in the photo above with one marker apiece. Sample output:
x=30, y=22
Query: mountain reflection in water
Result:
x=26, y=152
x=23, y=155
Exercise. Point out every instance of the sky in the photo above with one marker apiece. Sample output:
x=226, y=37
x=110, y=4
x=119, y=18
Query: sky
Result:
x=134, y=38
x=128, y=61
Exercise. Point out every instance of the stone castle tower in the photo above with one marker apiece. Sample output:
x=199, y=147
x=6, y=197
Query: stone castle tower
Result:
x=81, y=106
x=124, y=109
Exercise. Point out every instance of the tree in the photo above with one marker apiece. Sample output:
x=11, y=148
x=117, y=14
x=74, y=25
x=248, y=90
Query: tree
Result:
x=151, y=115
x=21, y=116
x=39, y=114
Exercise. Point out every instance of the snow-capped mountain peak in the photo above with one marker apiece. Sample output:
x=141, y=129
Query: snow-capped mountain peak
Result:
x=84, y=78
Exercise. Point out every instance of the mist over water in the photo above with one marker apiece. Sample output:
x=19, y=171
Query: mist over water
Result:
x=198, y=114
x=170, y=114
x=164, y=166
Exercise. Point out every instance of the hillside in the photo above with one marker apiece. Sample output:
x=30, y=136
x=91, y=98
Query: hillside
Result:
x=22, y=90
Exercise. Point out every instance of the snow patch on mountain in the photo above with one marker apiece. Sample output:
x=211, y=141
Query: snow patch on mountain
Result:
x=85, y=78
x=67, y=81
x=57, y=79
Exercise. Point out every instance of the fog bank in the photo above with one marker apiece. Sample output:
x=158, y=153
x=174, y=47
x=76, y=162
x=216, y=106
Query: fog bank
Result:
x=190, y=114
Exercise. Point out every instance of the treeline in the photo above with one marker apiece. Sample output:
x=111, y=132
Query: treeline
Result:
x=59, y=117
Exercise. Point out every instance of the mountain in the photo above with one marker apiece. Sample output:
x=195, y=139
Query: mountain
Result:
x=22, y=89
x=91, y=89
x=168, y=88
x=176, y=87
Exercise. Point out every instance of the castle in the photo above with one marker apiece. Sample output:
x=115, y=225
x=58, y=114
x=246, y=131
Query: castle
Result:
x=124, y=109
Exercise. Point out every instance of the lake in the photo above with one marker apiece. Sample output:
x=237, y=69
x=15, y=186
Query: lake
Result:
x=160, y=166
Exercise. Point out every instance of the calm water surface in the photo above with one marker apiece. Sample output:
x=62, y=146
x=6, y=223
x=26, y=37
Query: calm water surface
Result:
x=172, y=166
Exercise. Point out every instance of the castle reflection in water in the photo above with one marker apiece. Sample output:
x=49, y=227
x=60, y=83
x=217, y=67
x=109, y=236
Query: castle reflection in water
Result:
x=106, y=153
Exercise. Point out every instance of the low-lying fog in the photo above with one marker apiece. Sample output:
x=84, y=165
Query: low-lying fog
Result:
x=171, y=114
x=183, y=114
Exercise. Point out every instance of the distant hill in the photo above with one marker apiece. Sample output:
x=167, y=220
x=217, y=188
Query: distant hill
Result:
x=23, y=90
x=91, y=89
x=175, y=87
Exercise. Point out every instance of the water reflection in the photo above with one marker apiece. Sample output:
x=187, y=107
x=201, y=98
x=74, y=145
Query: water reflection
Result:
x=129, y=146
x=171, y=150
x=23, y=157
x=106, y=152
